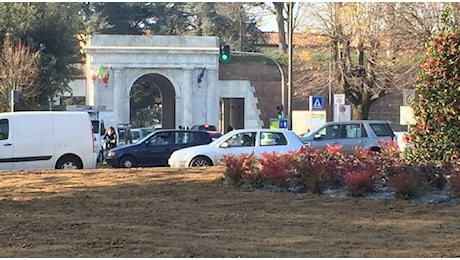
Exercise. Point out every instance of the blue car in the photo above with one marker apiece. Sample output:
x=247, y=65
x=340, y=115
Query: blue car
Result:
x=155, y=149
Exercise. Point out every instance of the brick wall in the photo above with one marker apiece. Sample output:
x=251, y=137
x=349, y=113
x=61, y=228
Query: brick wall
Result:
x=266, y=79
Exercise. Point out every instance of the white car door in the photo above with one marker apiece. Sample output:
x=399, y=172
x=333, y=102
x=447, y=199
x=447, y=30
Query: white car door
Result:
x=6, y=145
x=237, y=144
x=270, y=142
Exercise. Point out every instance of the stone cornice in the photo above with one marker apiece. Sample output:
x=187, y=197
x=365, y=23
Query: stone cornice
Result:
x=152, y=49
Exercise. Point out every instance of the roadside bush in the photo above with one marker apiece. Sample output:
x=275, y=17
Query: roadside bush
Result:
x=406, y=182
x=358, y=170
x=453, y=175
x=359, y=182
x=238, y=168
x=275, y=168
x=388, y=156
x=432, y=176
x=312, y=168
x=455, y=184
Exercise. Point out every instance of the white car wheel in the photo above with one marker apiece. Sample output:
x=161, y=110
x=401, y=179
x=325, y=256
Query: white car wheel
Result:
x=200, y=161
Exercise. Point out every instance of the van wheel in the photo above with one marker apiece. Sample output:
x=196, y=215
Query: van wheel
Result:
x=127, y=162
x=200, y=161
x=69, y=162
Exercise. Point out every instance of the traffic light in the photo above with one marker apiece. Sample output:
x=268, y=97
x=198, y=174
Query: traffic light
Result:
x=279, y=114
x=224, y=55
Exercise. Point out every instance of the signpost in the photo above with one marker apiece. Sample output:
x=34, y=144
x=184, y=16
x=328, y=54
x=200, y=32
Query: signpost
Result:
x=316, y=103
x=339, y=100
x=283, y=124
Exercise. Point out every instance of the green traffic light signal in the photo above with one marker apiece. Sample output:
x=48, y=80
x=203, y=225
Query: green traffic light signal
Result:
x=224, y=55
x=279, y=114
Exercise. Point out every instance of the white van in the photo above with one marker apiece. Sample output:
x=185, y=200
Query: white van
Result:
x=101, y=119
x=46, y=140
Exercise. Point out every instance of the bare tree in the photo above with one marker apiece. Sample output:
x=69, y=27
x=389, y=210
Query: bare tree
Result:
x=18, y=72
x=281, y=12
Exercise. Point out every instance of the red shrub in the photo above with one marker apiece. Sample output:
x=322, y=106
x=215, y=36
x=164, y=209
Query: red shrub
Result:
x=276, y=168
x=359, y=182
x=334, y=149
x=314, y=168
x=455, y=183
x=237, y=168
x=407, y=183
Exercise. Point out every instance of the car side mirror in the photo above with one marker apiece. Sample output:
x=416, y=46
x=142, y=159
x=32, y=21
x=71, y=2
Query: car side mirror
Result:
x=317, y=137
x=224, y=145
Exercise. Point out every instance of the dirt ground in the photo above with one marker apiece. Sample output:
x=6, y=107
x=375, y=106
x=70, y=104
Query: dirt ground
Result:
x=164, y=212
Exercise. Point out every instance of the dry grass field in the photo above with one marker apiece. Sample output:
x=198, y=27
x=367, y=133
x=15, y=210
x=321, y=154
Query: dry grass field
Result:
x=164, y=212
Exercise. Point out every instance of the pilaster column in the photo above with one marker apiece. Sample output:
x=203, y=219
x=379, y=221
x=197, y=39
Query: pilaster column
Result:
x=90, y=90
x=187, y=96
x=212, y=100
x=119, y=94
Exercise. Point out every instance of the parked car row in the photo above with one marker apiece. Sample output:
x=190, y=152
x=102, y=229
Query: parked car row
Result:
x=191, y=148
x=70, y=147
x=155, y=148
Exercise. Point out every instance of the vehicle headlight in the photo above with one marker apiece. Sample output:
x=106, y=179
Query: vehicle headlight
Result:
x=111, y=154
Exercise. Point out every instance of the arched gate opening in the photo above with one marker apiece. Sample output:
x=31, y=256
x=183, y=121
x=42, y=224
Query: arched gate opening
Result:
x=152, y=102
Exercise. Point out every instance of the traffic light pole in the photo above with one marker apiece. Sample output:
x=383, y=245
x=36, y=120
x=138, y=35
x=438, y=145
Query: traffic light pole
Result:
x=279, y=68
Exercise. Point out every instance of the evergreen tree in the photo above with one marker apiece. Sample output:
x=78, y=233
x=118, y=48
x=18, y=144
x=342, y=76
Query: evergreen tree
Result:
x=435, y=135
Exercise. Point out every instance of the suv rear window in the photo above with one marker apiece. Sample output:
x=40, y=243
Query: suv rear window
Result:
x=382, y=129
x=192, y=138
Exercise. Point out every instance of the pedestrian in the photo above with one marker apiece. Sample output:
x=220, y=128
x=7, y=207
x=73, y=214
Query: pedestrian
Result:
x=109, y=141
x=128, y=136
x=110, y=137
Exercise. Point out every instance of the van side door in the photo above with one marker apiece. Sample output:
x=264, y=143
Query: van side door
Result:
x=34, y=142
x=6, y=145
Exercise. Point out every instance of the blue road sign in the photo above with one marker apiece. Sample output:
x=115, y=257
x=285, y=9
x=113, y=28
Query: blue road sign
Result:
x=317, y=103
x=283, y=124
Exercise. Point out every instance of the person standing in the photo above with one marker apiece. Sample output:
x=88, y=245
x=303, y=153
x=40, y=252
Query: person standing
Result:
x=109, y=140
x=110, y=137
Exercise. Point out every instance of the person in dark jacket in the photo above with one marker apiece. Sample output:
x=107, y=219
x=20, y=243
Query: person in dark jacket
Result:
x=110, y=138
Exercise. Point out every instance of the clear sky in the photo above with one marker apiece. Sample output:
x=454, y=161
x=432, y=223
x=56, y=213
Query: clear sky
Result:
x=268, y=23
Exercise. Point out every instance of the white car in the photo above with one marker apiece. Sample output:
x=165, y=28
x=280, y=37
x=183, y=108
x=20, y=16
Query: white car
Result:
x=237, y=142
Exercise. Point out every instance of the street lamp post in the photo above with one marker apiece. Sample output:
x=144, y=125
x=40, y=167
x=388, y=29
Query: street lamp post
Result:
x=290, y=31
x=279, y=68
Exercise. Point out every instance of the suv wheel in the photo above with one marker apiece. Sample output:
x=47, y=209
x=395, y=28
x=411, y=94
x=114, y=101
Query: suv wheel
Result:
x=127, y=162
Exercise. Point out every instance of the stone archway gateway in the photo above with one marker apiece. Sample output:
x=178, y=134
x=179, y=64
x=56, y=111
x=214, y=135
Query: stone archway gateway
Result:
x=167, y=92
x=188, y=65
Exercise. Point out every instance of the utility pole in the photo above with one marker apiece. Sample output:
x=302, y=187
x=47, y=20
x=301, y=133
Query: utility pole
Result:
x=290, y=36
x=12, y=100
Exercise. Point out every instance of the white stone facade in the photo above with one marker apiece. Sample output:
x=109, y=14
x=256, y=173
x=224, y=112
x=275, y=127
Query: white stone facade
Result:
x=175, y=62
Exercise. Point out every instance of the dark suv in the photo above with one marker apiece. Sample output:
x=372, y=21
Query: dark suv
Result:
x=211, y=129
x=155, y=149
